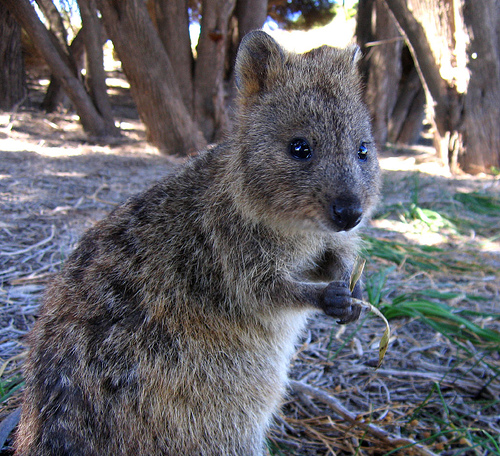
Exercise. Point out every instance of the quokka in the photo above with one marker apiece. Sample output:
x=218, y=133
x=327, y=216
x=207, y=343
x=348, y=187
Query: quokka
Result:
x=170, y=329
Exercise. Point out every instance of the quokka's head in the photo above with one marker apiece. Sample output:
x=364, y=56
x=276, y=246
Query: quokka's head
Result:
x=307, y=159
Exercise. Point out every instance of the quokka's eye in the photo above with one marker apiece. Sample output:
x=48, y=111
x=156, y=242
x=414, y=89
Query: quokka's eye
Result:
x=363, y=151
x=300, y=149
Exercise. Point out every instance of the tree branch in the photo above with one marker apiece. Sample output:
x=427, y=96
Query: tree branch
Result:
x=422, y=54
x=27, y=17
x=152, y=79
x=96, y=76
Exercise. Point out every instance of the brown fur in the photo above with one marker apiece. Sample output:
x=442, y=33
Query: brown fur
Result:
x=170, y=328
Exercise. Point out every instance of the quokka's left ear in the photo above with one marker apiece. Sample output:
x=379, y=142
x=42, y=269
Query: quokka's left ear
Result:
x=259, y=61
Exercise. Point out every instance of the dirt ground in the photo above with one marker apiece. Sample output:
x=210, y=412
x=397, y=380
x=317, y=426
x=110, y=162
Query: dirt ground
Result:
x=54, y=185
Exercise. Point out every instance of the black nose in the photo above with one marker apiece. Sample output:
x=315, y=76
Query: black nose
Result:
x=346, y=213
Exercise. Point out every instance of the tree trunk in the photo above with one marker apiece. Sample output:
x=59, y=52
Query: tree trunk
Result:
x=364, y=33
x=55, y=22
x=12, y=76
x=455, y=46
x=248, y=15
x=442, y=97
x=393, y=91
x=91, y=121
x=95, y=77
x=172, y=22
x=417, y=40
x=385, y=70
x=209, y=78
x=481, y=128
x=405, y=124
x=151, y=76
x=251, y=15
x=55, y=95
x=210, y=109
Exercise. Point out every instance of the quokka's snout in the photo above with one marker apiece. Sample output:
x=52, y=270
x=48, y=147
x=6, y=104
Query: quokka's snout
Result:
x=346, y=212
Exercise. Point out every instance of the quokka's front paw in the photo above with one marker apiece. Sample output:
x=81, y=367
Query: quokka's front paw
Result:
x=337, y=302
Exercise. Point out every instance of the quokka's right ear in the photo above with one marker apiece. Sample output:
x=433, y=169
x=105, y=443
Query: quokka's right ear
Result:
x=356, y=54
x=258, y=62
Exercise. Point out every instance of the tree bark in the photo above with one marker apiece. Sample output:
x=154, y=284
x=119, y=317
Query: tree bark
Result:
x=248, y=15
x=385, y=71
x=429, y=57
x=251, y=15
x=422, y=53
x=12, y=76
x=54, y=19
x=172, y=22
x=95, y=77
x=91, y=121
x=364, y=33
x=210, y=109
x=393, y=91
x=405, y=124
x=55, y=95
x=481, y=127
x=458, y=64
x=151, y=76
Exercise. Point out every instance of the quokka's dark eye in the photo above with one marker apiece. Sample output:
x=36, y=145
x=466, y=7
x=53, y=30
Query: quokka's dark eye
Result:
x=363, y=151
x=300, y=149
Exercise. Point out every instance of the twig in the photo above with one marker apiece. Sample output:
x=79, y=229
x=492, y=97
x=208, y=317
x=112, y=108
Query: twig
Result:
x=338, y=408
x=388, y=41
x=438, y=378
x=13, y=358
x=34, y=246
x=8, y=424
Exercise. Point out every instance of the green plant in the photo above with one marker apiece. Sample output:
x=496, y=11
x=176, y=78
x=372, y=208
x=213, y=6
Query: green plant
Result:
x=8, y=386
x=444, y=319
x=421, y=257
x=479, y=203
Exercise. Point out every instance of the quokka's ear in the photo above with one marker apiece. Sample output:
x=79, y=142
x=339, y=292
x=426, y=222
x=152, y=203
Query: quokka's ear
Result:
x=259, y=60
x=356, y=54
x=336, y=60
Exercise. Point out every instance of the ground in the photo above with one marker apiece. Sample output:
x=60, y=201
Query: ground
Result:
x=433, y=257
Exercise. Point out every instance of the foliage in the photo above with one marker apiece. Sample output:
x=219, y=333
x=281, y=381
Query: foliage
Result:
x=288, y=14
x=301, y=14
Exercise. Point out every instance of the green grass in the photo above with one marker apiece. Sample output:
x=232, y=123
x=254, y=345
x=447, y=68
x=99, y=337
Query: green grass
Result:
x=9, y=386
x=420, y=257
x=440, y=415
x=429, y=306
x=447, y=320
x=451, y=429
x=455, y=213
x=439, y=421
x=479, y=203
x=275, y=450
x=432, y=219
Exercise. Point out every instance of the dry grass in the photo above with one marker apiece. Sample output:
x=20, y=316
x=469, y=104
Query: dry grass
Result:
x=438, y=388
